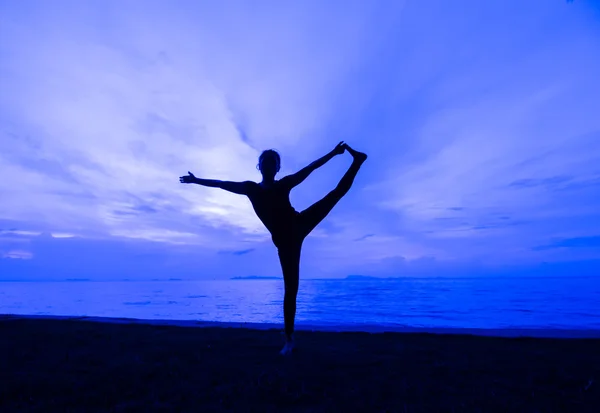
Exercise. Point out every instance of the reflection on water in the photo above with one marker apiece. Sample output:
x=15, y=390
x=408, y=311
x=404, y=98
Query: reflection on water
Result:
x=425, y=302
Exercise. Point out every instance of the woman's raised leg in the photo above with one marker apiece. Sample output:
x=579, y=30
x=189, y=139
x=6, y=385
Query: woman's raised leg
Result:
x=313, y=215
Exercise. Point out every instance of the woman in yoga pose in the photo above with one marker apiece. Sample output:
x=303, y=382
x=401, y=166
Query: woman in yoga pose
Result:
x=271, y=202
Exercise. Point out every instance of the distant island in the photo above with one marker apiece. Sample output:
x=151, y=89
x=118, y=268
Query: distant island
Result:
x=255, y=277
x=78, y=279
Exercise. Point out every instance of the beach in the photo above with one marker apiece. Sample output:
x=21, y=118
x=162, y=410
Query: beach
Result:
x=119, y=365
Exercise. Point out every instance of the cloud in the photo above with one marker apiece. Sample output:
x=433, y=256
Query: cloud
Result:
x=17, y=232
x=364, y=237
x=238, y=252
x=62, y=235
x=547, y=182
x=19, y=255
x=577, y=242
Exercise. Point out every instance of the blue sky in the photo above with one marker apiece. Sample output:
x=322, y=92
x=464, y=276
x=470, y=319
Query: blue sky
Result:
x=480, y=120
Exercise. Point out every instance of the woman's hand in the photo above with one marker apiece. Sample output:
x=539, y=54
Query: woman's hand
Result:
x=340, y=148
x=188, y=179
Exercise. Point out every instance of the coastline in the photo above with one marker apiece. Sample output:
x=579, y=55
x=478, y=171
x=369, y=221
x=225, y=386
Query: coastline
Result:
x=333, y=328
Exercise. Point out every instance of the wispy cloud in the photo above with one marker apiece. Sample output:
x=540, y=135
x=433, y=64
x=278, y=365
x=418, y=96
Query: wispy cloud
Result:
x=237, y=252
x=17, y=254
x=577, y=242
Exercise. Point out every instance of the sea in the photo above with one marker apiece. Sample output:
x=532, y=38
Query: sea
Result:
x=544, y=303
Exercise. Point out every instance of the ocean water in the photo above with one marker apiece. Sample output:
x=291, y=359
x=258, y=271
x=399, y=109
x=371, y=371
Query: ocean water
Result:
x=555, y=303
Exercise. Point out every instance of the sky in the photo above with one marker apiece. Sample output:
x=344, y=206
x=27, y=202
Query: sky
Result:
x=480, y=120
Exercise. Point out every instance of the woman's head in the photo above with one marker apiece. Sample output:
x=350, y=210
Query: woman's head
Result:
x=269, y=162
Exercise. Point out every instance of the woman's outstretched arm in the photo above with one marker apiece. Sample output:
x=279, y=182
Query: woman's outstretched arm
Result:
x=302, y=174
x=235, y=187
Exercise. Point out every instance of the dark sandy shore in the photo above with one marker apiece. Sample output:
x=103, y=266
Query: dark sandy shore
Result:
x=53, y=365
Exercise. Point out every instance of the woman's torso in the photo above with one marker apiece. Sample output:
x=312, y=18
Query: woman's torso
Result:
x=273, y=207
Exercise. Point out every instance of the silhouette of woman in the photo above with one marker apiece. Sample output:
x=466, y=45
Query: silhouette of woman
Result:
x=288, y=227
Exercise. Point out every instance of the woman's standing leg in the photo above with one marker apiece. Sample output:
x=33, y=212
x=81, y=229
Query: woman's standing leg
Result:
x=289, y=257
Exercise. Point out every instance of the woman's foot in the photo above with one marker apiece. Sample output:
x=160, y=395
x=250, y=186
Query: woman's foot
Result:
x=358, y=156
x=288, y=347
